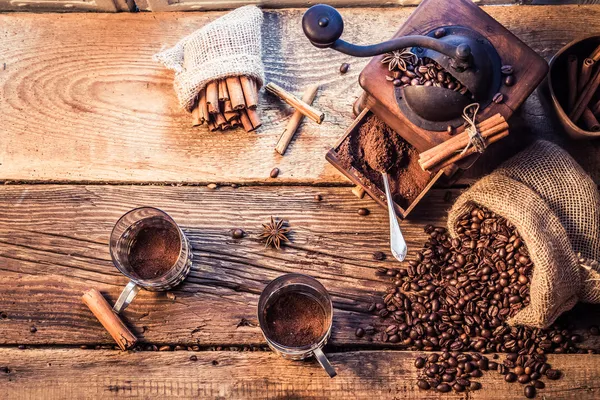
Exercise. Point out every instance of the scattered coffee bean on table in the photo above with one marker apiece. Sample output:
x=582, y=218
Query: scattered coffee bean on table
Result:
x=344, y=68
x=274, y=173
x=363, y=211
x=237, y=233
x=456, y=296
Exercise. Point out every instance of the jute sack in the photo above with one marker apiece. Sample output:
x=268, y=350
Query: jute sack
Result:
x=555, y=207
x=228, y=46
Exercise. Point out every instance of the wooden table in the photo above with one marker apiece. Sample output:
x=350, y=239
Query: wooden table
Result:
x=90, y=129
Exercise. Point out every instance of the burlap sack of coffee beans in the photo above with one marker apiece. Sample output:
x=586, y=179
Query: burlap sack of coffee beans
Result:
x=555, y=207
x=228, y=46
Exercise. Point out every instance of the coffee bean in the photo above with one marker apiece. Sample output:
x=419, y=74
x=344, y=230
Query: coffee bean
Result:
x=33, y=329
x=539, y=384
x=498, y=98
x=507, y=69
x=443, y=388
x=237, y=234
x=509, y=80
x=529, y=391
x=363, y=211
x=553, y=374
x=274, y=173
x=493, y=365
x=420, y=362
x=212, y=186
x=318, y=197
x=344, y=68
x=458, y=388
x=379, y=256
x=422, y=384
x=524, y=378
x=193, y=358
x=360, y=332
x=397, y=82
x=510, y=377
x=475, y=386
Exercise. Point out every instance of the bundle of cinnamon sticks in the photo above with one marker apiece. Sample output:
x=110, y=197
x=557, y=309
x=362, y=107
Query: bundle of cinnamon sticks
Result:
x=228, y=103
x=583, y=101
x=452, y=150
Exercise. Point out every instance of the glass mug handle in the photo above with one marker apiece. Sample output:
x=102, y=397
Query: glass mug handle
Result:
x=320, y=356
x=127, y=296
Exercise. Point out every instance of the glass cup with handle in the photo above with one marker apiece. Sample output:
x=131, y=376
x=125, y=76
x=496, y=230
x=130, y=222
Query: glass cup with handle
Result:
x=123, y=238
x=306, y=286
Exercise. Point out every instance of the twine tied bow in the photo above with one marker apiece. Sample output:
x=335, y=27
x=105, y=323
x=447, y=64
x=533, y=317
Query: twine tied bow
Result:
x=475, y=138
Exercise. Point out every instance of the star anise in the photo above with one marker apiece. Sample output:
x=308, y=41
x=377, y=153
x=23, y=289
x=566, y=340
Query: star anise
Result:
x=399, y=58
x=274, y=233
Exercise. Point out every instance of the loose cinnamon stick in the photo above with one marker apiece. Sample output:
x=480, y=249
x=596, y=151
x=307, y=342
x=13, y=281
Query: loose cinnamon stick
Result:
x=586, y=74
x=246, y=121
x=437, y=155
x=212, y=97
x=196, y=120
x=459, y=141
x=227, y=106
x=236, y=94
x=292, y=125
x=254, y=118
x=235, y=122
x=590, y=121
x=572, y=79
x=596, y=54
x=308, y=110
x=492, y=139
x=584, y=97
x=203, y=107
x=250, y=90
x=596, y=109
x=223, y=92
x=111, y=321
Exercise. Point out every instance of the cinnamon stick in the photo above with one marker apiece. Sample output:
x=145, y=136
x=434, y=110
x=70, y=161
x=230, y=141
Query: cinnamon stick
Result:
x=459, y=141
x=250, y=91
x=212, y=97
x=196, y=120
x=212, y=126
x=203, y=107
x=220, y=120
x=227, y=106
x=292, y=125
x=246, y=121
x=492, y=139
x=236, y=94
x=572, y=79
x=590, y=121
x=437, y=155
x=235, y=122
x=254, y=118
x=596, y=54
x=230, y=115
x=306, y=109
x=586, y=74
x=223, y=92
x=596, y=109
x=584, y=97
x=111, y=321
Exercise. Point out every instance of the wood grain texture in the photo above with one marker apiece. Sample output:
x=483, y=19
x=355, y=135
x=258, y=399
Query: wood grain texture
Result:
x=51, y=374
x=54, y=246
x=94, y=107
x=65, y=5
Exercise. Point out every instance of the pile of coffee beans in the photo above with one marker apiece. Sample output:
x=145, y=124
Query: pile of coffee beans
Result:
x=426, y=72
x=457, y=296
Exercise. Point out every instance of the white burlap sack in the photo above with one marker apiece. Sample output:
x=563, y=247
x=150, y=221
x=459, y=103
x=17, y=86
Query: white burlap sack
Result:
x=228, y=46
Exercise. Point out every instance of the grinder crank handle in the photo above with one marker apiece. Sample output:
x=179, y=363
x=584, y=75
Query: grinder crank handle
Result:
x=323, y=25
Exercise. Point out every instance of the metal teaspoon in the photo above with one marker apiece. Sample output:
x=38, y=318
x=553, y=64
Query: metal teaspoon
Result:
x=397, y=242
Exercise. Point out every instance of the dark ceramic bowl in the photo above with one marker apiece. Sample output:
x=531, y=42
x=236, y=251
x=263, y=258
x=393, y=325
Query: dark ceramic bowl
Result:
x=557, y=82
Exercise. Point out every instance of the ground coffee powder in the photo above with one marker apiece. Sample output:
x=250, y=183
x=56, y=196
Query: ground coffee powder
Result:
x=377, y=148
x=295, y=320
x=154, y=251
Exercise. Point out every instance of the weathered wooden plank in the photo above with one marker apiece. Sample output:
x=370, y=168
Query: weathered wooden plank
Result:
x=54, y=374
x=64, y=5
x=95, y=107
x=54, y=246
